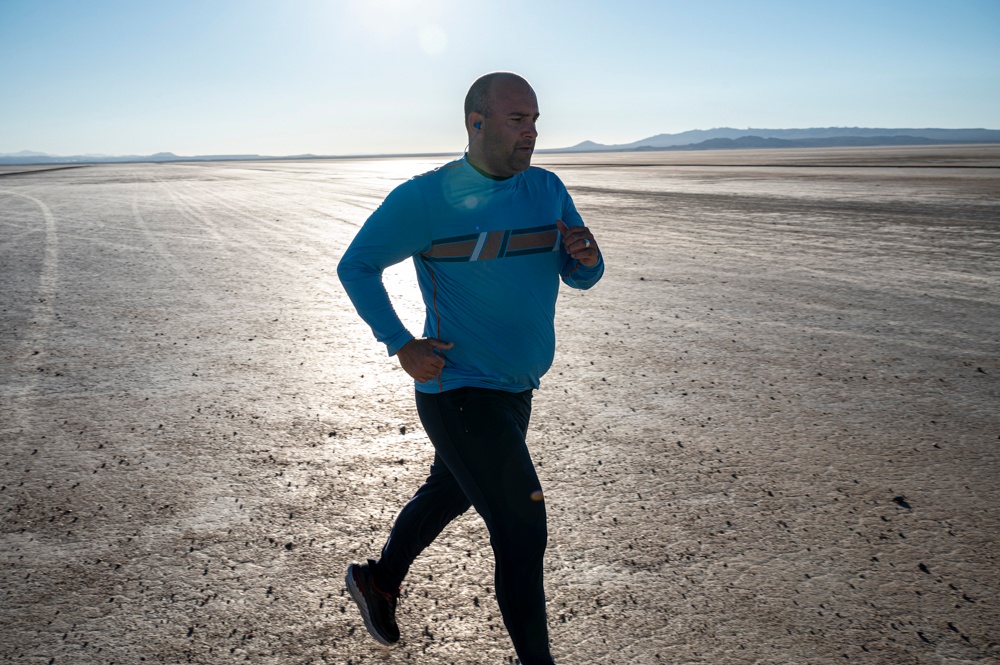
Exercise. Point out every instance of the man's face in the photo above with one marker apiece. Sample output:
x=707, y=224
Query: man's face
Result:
x=508, y=133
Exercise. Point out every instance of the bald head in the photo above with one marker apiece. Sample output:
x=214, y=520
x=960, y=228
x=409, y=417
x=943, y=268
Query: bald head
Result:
x=479, y=99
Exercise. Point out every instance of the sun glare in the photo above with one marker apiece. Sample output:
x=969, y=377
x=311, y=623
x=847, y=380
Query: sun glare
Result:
x=395, y=19
x=433, y=39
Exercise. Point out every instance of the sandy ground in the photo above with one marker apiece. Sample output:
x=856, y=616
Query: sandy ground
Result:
x=771, y=434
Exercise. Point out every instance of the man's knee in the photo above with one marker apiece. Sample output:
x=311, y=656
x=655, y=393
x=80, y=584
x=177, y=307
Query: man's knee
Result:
x=521, y=534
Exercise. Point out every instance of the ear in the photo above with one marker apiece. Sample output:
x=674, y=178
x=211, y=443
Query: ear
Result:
x=472, y=120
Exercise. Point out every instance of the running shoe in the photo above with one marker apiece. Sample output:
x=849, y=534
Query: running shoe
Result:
x=378, y=608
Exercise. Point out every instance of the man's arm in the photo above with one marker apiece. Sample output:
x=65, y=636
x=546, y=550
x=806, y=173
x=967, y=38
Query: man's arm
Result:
x=390, y=235
x=584, y=265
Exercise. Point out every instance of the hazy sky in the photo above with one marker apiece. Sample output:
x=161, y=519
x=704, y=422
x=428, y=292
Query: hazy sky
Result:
x=286, y=77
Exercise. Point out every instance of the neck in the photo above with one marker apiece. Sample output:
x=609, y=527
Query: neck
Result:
x=477, y=164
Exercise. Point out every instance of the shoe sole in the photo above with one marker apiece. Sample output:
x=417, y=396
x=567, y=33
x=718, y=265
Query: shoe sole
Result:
x=359, y=598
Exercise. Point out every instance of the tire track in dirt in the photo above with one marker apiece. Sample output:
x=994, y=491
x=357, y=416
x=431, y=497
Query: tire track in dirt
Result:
x=174, y=263
x=33, y=346
x=307, y=218
x=198, y=212
x=199, y=202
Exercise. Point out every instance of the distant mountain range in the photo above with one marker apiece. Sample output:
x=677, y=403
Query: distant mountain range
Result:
x=723, y=138
x=727, y=138
x=28, y=157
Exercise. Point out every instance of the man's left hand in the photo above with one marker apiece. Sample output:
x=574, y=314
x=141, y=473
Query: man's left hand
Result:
x=579, y=243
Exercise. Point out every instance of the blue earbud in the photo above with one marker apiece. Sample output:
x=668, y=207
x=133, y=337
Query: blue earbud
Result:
x=478, y=126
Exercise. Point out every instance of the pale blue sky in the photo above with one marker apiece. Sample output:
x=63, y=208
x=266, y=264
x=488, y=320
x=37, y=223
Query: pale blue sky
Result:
x=375, y=76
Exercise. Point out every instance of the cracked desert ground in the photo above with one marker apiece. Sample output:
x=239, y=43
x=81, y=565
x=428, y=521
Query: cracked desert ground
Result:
x=771, y=434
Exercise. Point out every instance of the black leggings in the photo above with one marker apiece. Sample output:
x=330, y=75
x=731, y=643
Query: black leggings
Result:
x=481, y=460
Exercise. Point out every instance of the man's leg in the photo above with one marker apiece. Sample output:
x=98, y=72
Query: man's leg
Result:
x=438, y=501
x=479, y=434
x=375, y=585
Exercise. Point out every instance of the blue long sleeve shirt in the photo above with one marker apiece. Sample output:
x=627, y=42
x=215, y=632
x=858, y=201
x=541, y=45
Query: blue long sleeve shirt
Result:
x=489, y=259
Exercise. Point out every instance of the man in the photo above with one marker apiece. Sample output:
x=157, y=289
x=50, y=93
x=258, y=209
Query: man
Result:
x=490, y=238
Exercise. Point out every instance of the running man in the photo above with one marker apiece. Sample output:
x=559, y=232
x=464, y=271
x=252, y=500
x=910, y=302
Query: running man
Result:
x=491, y=237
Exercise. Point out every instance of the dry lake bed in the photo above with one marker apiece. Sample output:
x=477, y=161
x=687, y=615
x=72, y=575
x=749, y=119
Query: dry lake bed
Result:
x=771, y=434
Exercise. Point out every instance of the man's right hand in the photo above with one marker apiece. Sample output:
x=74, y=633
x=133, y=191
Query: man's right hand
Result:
x=418, y=359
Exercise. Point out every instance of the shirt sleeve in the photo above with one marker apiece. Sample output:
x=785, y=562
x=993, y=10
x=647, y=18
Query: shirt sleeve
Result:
x=574, y=273
x=393, y=233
